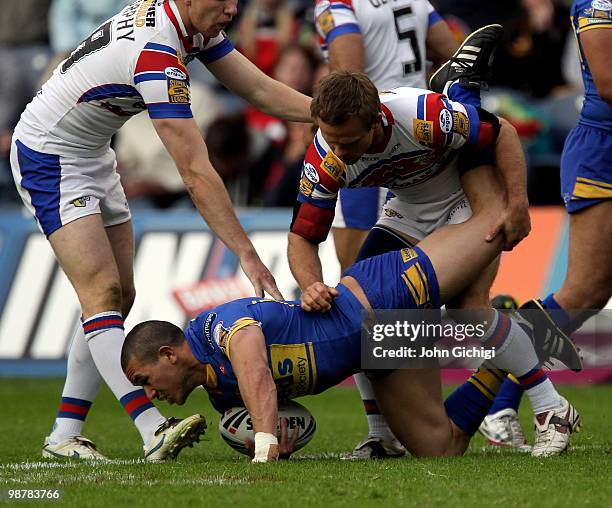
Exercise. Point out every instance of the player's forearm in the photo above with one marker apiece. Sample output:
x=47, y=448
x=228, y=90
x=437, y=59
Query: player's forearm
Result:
x=511, y=164
x=304, y=261
x=258, y=392
x=212, y=201
x=282, y=101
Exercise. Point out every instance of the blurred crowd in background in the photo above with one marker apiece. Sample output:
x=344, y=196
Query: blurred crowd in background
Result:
x=536, y=85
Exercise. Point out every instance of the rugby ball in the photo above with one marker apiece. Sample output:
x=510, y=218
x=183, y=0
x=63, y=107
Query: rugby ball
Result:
x=235, y=426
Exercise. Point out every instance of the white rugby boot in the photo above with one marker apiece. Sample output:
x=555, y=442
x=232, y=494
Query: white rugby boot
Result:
x=376, y=448
x=553, y=429
x=77, y=447
x=172, y=436
x=504, y=429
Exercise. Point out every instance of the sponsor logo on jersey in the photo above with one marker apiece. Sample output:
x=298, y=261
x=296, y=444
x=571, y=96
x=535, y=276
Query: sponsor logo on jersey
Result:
x=333, y=166
x=220, y=335
x=408, y=254
x=146, y=14
x=81, y=202
x=423, y=130
x=325, y=22
x=207, y=324
x=293, y=369
x=461, y=124
x=446, y=121
x=178, y=91
x=311, y=173
x=175, y=73
x=389, y=212
x=306, y=186
x=601, y=5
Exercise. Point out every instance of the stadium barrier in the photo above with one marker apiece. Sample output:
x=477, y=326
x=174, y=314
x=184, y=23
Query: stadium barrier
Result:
x=175, y=250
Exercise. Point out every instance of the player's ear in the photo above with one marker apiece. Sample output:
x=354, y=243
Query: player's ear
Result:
x=168, y=354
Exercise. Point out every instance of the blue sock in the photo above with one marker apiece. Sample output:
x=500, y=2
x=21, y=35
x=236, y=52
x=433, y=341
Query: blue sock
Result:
x=559, y=315
x=464, y=95
x=509, y=396
x=469, y=404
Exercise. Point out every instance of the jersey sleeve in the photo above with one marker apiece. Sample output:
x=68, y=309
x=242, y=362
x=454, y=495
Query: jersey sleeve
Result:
x=593, y=14
x=441, y=123
x=231, y=318
x=334, y=18
x=161, y=78
x=215, y=49
x=432, y=15
x=323, y=174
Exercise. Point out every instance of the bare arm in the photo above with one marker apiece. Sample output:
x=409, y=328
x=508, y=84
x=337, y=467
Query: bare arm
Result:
x=511, y=164
x=257, y=388
x=304, y=261
x=346, y=53
x=514, y=221
x=237, y=73
x=596, y=44
x=249, y=360
x=306, y=269
x=441, y=44
x=184, y=142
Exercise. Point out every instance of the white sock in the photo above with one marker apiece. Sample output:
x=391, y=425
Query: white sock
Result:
x=105, y=336
x=514, y=353
x=80, y=389
x=377, y=425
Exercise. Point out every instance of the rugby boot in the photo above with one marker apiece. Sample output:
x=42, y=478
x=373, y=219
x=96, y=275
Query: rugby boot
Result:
x=549, y=340
x=504, y=429
x=553, y=429
x=172, y=436
x=376, y=448
x=470, y=66
x=77, y=447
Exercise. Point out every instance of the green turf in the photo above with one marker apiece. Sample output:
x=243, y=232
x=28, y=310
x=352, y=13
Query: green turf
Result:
x=211, y=473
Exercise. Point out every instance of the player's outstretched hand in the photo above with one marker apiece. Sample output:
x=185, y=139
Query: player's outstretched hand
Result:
x=286, y=444
x=318, y=297
x=260, y=276
x=514, y=223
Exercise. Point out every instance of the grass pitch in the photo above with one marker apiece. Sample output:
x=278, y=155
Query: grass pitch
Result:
x=212, y=474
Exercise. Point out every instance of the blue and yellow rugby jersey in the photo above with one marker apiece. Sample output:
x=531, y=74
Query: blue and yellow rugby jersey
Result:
x=590, y=15
x=307, y=352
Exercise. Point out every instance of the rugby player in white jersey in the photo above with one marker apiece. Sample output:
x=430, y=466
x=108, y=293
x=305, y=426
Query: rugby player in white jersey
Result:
x=391, y=42
x=407, y=141
x=391, y=52
x=65, y=172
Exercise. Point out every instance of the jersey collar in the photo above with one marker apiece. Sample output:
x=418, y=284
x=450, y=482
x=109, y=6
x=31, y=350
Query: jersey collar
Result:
x=387, y=122
x=175, y=18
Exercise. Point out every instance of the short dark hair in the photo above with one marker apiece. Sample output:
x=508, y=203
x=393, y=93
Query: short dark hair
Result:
x=345, y=94
x=145, y=339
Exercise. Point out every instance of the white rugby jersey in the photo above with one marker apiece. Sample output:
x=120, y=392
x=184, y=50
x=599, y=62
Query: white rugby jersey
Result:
x=394, y=35
x=134, y=61
x=422, y=132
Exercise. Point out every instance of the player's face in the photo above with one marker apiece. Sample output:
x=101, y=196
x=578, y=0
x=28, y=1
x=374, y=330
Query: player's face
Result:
x=209, y=17
x=162, y=380
x=350, y=140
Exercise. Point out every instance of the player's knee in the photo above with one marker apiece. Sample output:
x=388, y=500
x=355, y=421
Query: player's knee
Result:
x=103, y=295
x=437, y=444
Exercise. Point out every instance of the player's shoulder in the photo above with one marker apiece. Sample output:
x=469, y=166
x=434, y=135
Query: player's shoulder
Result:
x=592, y=8
x=403, y=98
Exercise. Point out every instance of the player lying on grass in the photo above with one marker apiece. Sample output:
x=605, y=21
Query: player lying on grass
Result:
x=246, y=352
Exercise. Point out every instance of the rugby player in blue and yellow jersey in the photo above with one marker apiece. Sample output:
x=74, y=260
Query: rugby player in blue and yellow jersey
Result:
x=586, y=188
x=257, y=352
